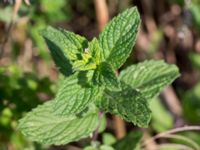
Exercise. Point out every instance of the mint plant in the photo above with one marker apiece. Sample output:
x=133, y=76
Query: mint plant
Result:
x=91, y=84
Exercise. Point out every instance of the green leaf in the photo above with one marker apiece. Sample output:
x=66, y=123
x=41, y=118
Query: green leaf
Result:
x=129, y=142
x=158, y=113
x=194, y=59
x=132, y=107
x=129, y=105
x=76, y=93
x=194, y=8
x=42, y=125
x=108, y=139
x=149, y=77
x=103, y=124
x=106, y=147
x=95, y=51
x=90, y=58
x=85, y=63
x=102, y=147
x=64, y=46
x=119, y=36
x=105, y=75
x=107, y=103
x=191, y=104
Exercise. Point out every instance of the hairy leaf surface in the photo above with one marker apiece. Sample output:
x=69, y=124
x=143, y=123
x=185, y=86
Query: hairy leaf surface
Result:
x=105, y=75
x=132, y=107
x=95, y=51
x=91, y=57
x=128, y=104
x=76, y=93
x=119, y=36
x=149, y=77
x=42, y=125
x=64, y=47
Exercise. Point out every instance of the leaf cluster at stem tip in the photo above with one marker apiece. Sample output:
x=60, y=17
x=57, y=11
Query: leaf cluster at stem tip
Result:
x=91, y=84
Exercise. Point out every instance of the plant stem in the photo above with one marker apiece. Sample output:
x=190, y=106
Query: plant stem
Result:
x=95, y=133
x=172, y=131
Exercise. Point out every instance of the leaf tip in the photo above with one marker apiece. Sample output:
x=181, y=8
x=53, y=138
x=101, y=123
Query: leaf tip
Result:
x=44, y=31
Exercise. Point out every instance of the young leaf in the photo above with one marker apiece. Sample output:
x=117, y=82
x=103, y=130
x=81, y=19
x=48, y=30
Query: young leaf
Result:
x=149, y=77
x=64, y=47
x=75, y=94
x=90, y=58
x=42, y=125
x=85, y=63
x=119, y=36
x=95, y=51
x=105, y=75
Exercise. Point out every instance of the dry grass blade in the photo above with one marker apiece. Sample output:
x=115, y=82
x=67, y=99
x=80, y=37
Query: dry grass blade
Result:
x=16, y=8
x=10, y=26
x=181, y=129
x=101, y=13
x=27, y=2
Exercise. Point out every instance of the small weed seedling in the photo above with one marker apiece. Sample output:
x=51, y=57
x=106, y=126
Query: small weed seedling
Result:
x=91, y=85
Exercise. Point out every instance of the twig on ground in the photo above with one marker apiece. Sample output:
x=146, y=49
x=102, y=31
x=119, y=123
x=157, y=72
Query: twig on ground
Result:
x=7, y=34
x=176, y=146
x=10, y=26
x=101, y=13
x=172, y=131
x=183, y=138
x=120, y=128
x=172, y=101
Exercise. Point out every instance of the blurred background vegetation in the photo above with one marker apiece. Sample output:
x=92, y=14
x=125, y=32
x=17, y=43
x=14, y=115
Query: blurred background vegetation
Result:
x=170, y=30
